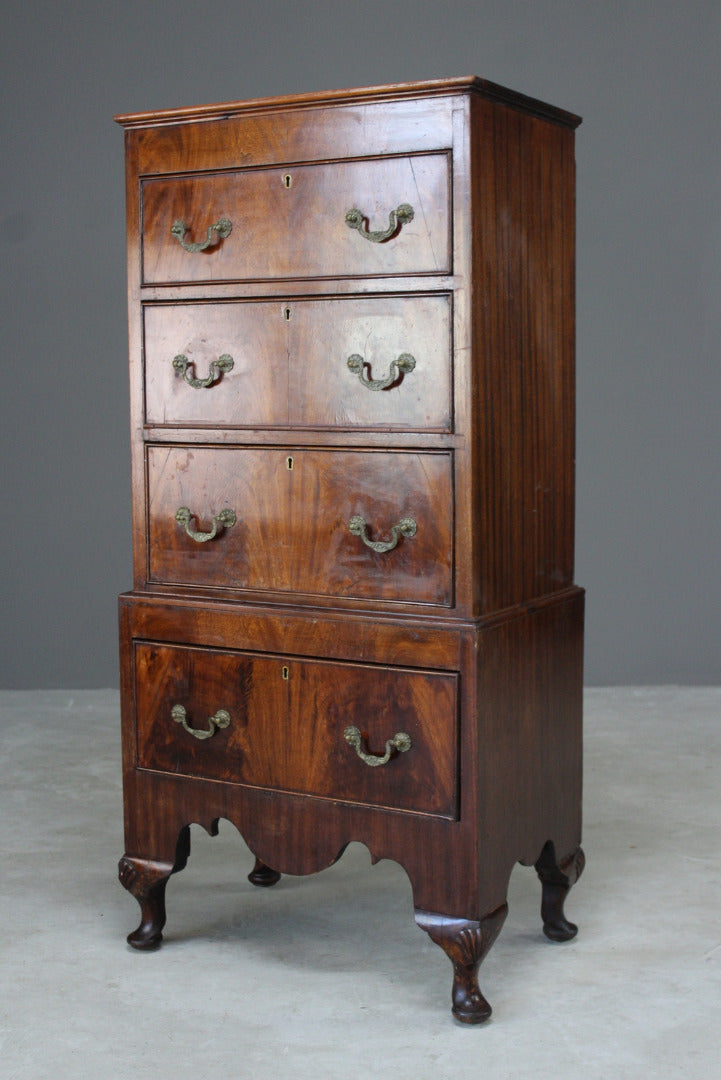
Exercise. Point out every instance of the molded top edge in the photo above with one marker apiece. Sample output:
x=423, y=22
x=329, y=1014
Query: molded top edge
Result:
x=430, y=88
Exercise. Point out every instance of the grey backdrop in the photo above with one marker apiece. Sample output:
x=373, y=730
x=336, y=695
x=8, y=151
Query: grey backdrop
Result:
x=645, y=77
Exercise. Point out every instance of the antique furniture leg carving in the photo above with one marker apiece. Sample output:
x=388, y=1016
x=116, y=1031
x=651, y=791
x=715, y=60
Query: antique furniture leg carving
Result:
x=146, y=880
x=263, y=875
x=556, y=880
x=465, y=942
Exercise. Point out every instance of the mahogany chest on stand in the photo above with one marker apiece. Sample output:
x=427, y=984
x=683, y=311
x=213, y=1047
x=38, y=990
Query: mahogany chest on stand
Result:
x=353, y=615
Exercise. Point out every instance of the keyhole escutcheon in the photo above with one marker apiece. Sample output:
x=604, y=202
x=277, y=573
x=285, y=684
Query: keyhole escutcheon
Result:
x=285, y=672
x=289, y=463
x=287, y=180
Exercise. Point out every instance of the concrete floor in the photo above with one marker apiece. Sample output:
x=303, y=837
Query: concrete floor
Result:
x=328, y=976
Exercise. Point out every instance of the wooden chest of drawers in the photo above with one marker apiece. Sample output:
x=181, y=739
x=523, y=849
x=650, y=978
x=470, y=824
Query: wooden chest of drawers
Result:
x=353, y=615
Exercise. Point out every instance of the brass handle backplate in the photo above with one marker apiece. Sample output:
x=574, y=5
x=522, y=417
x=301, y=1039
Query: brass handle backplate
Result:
x=218, y=367
x=403, y=365
x=355, y=219
x=219, y=231
x=406, y=527
x=224, y=520
x=220, y=719
x=400, y=742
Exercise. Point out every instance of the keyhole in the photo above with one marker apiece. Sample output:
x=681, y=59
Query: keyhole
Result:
x=289, y=463
x=288, y=180
x=285, y=672
x=286, y=314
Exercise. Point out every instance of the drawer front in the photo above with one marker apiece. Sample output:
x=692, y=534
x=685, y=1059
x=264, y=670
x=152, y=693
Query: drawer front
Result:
x=381, y=362
x=251, y=552
x=291, y=222
x=280, y=723
x=382, y=490
x=293, y=510
x=250, y=392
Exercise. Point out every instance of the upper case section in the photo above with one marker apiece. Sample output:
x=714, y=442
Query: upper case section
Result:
x=493, y=382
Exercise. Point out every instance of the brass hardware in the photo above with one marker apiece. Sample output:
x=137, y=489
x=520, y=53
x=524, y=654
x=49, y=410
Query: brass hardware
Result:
x=406, y=527
x=404, y=364
x=285, y=672
x=222, y=227
x=402, y=215
x=286, y=314
x=288, y=180
x=218, y=367
x=220, y=719
x=400, y=742
x=289, y=463
x=225, y=519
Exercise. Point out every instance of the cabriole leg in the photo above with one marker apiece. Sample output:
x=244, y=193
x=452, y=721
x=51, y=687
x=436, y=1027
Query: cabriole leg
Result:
x=556, y=880
x=146, y=879
x=465, y=942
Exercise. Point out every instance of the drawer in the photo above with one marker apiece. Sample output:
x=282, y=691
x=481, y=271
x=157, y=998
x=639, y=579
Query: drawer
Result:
x=292, y=511
x=290, y=222
x=380, y=490
x=280, y=722
x=380, y=362
x=250, y=392
x=251, y=551
x=357, y=362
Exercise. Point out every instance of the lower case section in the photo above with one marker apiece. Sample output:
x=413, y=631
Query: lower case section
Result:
x=453, y=749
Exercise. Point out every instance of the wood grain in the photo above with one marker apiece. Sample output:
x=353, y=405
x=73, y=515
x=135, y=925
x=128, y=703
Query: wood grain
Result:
x=255, y=484
x=292, y=532
x=253, y=394
x=333, y=486
x=290, y=363
x=523, y=211
x=271, y=137
x=324, y=334
x=287, y=719
x=300, y=231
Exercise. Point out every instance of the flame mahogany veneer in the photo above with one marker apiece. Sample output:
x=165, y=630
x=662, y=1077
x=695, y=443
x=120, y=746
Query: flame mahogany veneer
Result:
x=353, y=616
